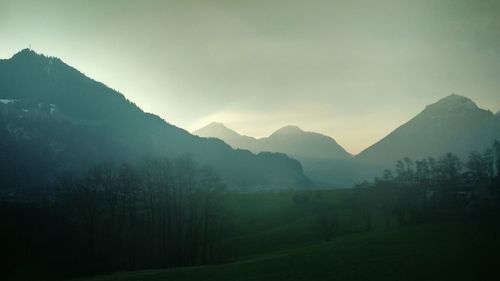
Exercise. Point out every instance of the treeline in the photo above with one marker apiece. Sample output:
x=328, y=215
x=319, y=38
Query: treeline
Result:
x=431, y=189
x=418, y=190
x=161, y=213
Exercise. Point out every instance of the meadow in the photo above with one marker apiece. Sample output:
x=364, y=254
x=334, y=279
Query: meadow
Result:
x=279, y=238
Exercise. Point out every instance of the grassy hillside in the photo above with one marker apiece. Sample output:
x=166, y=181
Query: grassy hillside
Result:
x=263, y=222
x=275, y=236
x=452, y=251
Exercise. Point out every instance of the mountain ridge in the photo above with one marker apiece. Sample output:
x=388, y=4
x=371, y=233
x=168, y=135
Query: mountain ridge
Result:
x=229, y=136
x=96, y=123
x=283, y=134
x=315, y=151
x=452, y=124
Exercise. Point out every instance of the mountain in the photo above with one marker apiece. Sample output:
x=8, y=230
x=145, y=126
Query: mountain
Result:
x=289, y=139
x=315, y=151
x=55, y=121
x=220, y=131
x=453, y=124
x=303, y=145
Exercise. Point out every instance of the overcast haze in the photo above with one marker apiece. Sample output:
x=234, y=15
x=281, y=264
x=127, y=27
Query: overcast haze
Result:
x=353, y=70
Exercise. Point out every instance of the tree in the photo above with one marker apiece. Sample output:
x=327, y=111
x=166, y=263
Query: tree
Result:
x=327, y=218
x=423, y=174
x=387, y=176
x=496, y=152
x=489, y=163
x=450, y=168
x=477, y=167
x=363, y=205
x=211, y=187
x=161, y=213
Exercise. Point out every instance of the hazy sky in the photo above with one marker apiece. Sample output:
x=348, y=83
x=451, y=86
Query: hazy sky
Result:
x=354, y=70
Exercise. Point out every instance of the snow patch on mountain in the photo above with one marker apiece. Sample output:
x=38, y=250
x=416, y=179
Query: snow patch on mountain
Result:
x=7, y=101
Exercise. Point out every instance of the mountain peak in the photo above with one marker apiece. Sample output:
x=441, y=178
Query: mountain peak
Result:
x=26, y=51
x=35, y=61
x=216, y=129
x=26, y=54
x=455, y=101
x=456, y=98
x=452, y=105
x=452, y=124
x=215, y=124
x=290, y=129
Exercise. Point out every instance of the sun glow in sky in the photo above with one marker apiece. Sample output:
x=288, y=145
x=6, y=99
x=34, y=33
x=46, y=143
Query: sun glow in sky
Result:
x=354, y=70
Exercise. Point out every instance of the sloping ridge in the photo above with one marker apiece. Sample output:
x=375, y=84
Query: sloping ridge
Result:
x=69, y=122
x=453, y=124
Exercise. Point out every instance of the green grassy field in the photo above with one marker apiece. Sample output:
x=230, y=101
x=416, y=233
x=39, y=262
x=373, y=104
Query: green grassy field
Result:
x=450, y=251
x=277, y=239
x=266, y=222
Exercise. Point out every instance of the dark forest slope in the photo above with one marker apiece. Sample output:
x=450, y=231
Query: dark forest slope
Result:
x=54, y=121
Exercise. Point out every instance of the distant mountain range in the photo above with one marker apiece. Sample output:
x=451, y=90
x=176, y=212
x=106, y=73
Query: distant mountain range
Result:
x=289, y=139
x=55, y=121
x=453, y=124
x=313, y=150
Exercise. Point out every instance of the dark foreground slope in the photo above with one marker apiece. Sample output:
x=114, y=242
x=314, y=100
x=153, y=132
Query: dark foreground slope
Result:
x=452, y=251
x=56, y=121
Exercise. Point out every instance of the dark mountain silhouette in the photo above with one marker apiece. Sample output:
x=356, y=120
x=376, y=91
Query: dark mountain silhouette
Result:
x=315, y=151
x=453, y=124
x=55, y=121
